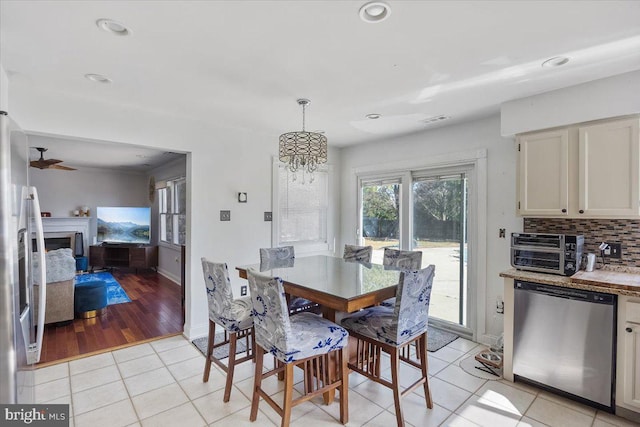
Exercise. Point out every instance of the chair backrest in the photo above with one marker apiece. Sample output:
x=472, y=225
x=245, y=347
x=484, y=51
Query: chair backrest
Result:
x=402, y=259
x=412, y=302
x=219, y=295
x=270, y=311
x=272, y=254
x=357, y=253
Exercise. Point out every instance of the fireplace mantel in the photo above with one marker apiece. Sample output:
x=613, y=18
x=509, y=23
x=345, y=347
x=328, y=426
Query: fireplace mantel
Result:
x=64, y=226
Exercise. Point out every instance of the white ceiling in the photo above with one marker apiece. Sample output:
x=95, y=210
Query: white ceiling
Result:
x=244, y=63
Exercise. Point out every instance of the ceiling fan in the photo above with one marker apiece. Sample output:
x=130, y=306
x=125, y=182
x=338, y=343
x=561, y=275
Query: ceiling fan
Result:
x=41, y=163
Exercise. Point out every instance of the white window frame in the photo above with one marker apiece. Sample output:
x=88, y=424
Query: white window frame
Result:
x=301, y=248
x=173, y=213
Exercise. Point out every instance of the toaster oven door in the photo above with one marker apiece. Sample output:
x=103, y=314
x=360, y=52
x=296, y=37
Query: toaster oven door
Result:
x=535, y=259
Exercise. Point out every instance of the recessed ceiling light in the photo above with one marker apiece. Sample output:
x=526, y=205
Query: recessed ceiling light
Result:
x=375, y=11
x=98, y=78
x=555, y=62
x=113, y=27
x=373, y=116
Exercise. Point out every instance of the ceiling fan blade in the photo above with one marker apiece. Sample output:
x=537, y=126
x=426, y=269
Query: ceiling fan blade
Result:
x=60, y=167
x=38, y=164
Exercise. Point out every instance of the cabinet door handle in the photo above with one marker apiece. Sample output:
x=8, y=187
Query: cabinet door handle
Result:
x=581, y=211
x=564, y=211
x=628, y=329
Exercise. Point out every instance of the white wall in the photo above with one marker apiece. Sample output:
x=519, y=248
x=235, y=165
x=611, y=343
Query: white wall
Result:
x=169, y=262
x=598, y=99
x=501, y=175
x=61, y=192
x=4, y=90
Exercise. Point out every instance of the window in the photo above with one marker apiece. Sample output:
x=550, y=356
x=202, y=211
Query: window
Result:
x=172, y=202
x=301, y=210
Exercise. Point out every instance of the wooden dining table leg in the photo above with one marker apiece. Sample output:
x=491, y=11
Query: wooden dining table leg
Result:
x=329, y=396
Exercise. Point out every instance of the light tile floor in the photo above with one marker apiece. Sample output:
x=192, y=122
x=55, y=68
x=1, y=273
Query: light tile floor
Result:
x=160, y=384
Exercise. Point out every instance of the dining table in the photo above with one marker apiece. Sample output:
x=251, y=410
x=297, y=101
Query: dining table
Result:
x=338, y=286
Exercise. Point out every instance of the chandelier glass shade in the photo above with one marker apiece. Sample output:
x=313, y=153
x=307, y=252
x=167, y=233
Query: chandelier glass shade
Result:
x=302, y=150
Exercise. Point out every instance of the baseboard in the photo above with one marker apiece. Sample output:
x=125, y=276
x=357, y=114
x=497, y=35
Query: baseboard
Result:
x=169, y=276
x=196, y=331
x=490, y=340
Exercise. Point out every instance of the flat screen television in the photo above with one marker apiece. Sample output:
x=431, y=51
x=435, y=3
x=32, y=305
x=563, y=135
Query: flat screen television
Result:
x=124, y=225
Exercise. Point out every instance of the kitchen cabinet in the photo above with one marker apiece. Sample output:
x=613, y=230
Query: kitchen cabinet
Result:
x=583, y=171
x=544, y=173
x=628, y=370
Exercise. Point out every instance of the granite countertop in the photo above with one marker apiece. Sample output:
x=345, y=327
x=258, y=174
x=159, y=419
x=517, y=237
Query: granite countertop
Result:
x=618, y=280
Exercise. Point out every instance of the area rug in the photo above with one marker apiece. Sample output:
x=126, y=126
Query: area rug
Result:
x=221, y=352
x=436, y=339
x=115, y=293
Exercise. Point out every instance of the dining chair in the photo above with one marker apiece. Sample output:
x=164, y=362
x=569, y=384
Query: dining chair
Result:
x=402, y=259
x=395, y=258
x=381, y=329
x=283, y=257
x=305, y=340
x=357, y=253
x=234, y=315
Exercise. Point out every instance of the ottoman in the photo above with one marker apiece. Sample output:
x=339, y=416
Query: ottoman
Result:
x=90, y=299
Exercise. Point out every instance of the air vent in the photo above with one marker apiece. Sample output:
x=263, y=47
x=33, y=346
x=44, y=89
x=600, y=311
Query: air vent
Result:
x=436, y=119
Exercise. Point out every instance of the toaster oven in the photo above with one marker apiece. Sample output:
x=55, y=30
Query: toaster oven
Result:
x=547, y=253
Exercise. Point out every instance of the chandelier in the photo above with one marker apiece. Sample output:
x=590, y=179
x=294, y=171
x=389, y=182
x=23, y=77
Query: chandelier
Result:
x=302, y=150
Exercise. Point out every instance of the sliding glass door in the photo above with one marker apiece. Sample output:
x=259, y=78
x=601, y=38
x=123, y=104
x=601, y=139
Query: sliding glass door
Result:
x=425, y=210
x=380, y=221
x=440, y=232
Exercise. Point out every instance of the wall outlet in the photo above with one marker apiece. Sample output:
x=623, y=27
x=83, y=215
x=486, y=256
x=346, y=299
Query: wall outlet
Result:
x=225, y=215
x=267, y=216
x=616, y=250
x=243, y=290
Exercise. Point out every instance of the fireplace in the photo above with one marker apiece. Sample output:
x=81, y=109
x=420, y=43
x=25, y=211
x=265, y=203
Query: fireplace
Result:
x=59, y=229
x=53, y=243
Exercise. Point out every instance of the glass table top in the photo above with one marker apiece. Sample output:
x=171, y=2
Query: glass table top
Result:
x=332, y=275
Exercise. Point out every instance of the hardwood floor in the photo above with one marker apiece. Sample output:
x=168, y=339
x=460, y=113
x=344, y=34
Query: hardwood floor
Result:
x=154, y=311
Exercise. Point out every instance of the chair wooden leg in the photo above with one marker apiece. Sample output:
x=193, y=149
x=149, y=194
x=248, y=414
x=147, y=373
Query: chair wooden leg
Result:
x=230, y=367
x=207, y=362
x=395, y=380
x=344, y=387
x=424, y=365
x=288, y=395
x=257, y=383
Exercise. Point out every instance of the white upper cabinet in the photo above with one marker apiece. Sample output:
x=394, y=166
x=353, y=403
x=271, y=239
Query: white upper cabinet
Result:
x=544, y=173
x=581, y=171
x=608, y=169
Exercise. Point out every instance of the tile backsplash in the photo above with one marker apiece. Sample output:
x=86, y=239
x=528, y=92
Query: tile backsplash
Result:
x=595, y=231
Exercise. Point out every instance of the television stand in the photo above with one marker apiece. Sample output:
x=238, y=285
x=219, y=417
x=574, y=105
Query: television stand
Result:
x=123, y=255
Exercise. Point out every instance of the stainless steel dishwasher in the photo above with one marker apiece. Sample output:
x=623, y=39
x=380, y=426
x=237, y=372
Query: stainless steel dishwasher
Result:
x=564, y=341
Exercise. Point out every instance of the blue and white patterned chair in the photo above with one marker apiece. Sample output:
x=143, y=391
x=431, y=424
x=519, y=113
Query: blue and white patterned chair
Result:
x=354, y=253
x=233, y=315
x=394, y=258
x=283, y=257
x=305, y=340
x=402, y=259
x=381, y=328
x=275, y=254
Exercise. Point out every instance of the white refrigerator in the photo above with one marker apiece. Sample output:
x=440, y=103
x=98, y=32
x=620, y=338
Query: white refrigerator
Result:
x=20, y=223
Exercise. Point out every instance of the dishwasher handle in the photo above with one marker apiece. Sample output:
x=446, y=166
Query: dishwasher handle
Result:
x=567, y=293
